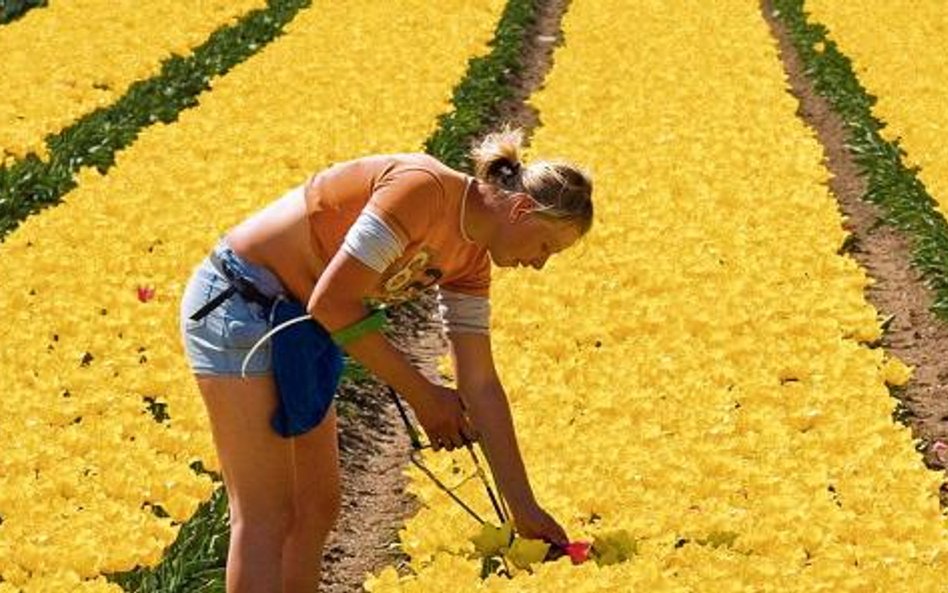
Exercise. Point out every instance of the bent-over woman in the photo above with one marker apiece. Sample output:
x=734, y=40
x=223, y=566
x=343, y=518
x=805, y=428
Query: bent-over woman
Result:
x=384, y=228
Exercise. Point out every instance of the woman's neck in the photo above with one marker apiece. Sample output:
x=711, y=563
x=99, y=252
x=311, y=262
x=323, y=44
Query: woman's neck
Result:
x=477, y=214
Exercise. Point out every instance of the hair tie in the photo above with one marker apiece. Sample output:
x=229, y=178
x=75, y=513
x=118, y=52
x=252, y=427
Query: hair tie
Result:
x=509, y=171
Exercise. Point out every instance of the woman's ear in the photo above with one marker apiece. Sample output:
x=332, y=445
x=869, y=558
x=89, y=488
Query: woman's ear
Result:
x=521, y=203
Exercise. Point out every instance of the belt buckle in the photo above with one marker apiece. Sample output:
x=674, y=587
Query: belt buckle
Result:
x=244, y=287
x=250, y=292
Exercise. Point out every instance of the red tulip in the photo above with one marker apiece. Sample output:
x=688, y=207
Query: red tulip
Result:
x=146, y=293
x=578, y=552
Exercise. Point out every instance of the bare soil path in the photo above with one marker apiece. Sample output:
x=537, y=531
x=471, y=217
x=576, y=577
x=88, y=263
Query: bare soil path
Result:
x=915, y=335
x=374, y=447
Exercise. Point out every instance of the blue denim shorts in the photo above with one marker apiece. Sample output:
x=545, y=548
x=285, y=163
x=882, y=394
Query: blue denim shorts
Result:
x=217, y=343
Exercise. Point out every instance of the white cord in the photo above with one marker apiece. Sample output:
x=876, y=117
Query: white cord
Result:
x=467, y=188
x=266, y=336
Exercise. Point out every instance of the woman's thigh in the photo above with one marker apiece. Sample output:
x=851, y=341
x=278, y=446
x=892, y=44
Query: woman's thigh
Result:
x=317, y=487
x=256, y=462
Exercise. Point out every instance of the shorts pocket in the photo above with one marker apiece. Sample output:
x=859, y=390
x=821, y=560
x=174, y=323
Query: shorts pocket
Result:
x=242, y=323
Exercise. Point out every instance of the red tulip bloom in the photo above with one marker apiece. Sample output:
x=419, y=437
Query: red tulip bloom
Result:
x=146, y=293
x=578, y=552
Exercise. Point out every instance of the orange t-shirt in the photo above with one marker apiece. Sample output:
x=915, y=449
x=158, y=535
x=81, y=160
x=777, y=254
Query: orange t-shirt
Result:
x=419, y=198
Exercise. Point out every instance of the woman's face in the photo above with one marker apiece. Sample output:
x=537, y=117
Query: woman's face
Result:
x=525, y=238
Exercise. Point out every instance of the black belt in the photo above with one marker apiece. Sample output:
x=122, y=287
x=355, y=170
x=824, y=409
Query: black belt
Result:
x=238, y=285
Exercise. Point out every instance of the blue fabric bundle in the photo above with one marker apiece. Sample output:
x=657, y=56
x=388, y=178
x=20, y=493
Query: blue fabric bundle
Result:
x=307, y=366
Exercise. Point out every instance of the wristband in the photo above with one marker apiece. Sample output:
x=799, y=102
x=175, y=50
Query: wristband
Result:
x=373, y=322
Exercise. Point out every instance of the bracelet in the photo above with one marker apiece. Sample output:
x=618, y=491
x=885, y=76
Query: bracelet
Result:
x=373, y=322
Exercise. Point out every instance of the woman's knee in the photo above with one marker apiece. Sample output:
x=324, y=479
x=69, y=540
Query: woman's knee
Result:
x=317, y=484
x=318, y=514
x=261, y=527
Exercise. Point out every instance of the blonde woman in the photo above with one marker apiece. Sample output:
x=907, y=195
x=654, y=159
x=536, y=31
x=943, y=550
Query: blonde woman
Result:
x=382, y=227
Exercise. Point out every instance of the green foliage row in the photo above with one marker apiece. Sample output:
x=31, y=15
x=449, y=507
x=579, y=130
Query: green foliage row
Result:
x=484, y=87
x=195, y=562
x=10, y=10
x=892, y=185
x=32, y=184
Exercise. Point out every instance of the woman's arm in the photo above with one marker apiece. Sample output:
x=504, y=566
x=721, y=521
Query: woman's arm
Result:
x=489, y=411
x=336, y=302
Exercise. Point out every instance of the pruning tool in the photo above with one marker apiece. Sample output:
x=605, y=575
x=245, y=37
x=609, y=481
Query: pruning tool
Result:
x=416, y=447
x=497, y=500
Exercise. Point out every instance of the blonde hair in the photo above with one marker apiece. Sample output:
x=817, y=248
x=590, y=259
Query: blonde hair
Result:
x=563, y=190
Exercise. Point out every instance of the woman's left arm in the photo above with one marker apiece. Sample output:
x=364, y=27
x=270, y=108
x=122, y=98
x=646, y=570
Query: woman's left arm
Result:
x=489, y=411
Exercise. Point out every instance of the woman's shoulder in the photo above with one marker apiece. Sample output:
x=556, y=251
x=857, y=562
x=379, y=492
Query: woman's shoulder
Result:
x=387, y=163
x=422, y=160
x=452, y=182
x=407, y=173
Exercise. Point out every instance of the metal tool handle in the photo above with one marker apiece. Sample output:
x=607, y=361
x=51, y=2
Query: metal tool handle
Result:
x=495, y=500
x=412, y=431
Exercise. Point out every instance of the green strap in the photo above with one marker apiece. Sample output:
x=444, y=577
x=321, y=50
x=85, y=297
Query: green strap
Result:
x=372, y=323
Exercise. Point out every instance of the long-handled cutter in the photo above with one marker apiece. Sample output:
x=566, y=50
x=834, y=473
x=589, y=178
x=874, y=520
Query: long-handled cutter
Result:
x=496, y=501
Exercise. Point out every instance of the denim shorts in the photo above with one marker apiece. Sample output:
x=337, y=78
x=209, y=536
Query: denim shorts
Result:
x=217, y=343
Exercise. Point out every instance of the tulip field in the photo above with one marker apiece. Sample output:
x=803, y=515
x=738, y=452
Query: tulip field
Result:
x=698, y=385
x=84, y=460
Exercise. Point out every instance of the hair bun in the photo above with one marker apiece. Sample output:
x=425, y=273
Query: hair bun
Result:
x=506, y=173
x=497, y=158
x=509, y=171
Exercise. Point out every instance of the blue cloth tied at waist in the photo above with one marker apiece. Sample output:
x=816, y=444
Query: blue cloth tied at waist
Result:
x=307, y=366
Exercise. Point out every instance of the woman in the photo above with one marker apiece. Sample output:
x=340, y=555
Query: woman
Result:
x=381, y=227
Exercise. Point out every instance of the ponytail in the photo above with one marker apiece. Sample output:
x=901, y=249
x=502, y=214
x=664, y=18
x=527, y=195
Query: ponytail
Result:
x=497, y=159
x=563, y=190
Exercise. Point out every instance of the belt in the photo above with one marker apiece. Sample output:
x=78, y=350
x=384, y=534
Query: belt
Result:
x=237, y=285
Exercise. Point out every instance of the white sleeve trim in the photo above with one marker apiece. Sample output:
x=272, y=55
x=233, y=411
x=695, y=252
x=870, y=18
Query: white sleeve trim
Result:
x=464, y=313
x=372, y=242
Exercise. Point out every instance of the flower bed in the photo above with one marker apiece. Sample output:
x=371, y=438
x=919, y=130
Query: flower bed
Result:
x=893, y=183
x=896, y=48
x=14, y=9
x=31, y=184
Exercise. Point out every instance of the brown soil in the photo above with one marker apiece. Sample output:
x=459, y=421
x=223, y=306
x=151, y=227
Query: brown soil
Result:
x=914, y=334
x=374, y=445
x=542, y=40
x=373, y=450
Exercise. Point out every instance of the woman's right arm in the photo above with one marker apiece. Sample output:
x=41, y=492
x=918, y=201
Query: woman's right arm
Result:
x=337, y=302
x=489, y=410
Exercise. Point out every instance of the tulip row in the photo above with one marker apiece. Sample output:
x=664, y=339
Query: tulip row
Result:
x=896, y=47
x=73, y=57
x=890, y=40
x=696, y=380
x=101, y=414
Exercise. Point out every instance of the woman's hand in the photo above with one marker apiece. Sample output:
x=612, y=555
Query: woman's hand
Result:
x=443, y=419
x=535, y=523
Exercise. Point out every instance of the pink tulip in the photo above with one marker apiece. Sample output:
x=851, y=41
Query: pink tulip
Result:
x=940, y=449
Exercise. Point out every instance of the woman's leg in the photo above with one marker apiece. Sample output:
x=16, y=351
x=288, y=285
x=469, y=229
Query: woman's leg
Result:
x=317, y=501
x=257, y=466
